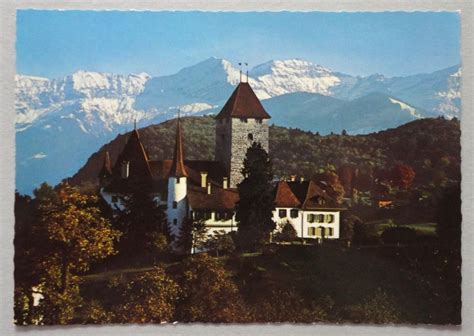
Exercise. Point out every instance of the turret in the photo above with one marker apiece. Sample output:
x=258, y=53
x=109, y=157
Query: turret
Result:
x=177, y=186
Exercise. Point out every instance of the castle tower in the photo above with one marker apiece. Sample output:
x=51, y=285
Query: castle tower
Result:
x=242, y=121
x=177, y=187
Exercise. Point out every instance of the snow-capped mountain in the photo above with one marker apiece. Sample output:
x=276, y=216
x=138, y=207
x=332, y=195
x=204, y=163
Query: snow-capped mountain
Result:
x=60, y=122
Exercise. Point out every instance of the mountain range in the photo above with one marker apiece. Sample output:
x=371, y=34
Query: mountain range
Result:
x=60, y=122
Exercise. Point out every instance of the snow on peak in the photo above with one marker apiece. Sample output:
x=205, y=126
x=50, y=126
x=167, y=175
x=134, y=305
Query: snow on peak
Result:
x=405, y=107
x=278, y=77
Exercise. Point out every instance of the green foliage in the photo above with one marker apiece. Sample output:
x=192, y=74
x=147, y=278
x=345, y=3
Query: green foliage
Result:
x=398, y=235
x=287, y=233
x=364, y=234
x=255, y=205
x=220, y=243
x=192, y=236
x=142, y=222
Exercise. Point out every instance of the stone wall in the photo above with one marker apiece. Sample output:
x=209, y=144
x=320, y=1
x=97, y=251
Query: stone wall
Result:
x=243, y=135
x=233, y=137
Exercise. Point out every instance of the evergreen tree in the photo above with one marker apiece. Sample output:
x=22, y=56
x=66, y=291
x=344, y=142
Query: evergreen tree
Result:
x=255, y=206
x=142, y=222
x=192, y=235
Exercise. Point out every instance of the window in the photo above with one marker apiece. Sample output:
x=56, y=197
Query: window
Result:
x=311, y=218
x=330, y=218
x=294, y=213
x=282, y=213
x=321, y=201
x=244, y=120
x=319, y=218
x=330, y=231
x=259, y=121
x=114, y=199
x=175, y=205
x=177, y=179
x=250, y=136
x=175, y=221
x=311, y=231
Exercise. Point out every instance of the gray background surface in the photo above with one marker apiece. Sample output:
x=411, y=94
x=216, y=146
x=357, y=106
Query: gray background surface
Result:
x=7, y=164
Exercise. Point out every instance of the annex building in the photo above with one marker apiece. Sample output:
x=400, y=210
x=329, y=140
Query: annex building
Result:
x=207, y=190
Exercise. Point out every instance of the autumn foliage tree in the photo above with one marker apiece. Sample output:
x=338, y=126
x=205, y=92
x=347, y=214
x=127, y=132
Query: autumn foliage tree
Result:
x=147, y=297
x=402, y=176
x=208, y=293
x=75, y=235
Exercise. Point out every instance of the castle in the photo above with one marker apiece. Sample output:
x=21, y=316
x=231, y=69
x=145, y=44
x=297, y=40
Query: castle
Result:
x=207, y=190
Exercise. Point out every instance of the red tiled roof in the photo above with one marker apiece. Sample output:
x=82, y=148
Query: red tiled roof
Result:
x=215, y=170
x=311, y=196
x=219, y=199
x=285, y=197
x=177, y=167
x=243, y=103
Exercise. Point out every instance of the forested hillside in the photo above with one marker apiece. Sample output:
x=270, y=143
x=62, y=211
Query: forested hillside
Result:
x=430, y=146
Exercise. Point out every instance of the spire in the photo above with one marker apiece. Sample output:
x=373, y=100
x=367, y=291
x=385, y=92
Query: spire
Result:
x=107, y=167
x=177, y=167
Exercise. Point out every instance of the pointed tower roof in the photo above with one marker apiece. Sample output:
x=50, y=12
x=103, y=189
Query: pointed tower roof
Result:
x=106, y=169
x=177, y=167
x=243, y=103
x=135, y=153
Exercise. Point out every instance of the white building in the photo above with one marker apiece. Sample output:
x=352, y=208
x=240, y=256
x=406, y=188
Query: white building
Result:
x=206, y=190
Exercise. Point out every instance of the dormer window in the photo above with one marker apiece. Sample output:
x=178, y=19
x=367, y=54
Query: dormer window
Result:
x=125, y=169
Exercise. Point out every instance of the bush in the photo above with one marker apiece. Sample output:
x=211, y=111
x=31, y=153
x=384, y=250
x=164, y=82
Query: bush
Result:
x=398, y=235
x=287, y=233
x=364, y=234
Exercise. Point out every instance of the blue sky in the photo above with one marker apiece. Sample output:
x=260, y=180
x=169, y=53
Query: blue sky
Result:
x=56, y=43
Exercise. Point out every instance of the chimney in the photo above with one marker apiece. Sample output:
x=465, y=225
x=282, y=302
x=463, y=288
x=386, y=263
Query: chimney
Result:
x=292, y=178
x=225, y=183
x=203, y=179
x=125, y=171
x=208, y=188
x=301, y=179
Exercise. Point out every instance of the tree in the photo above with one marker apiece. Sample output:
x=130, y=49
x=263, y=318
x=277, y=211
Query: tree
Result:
x=208, y=293
x=192, y=236
x=147, y=297
x=143, y=222
x=364, y=233
x=254, y=210
x=332, y=185
x=287, y=233
x=220, y=243
x=402, y=176
x=77, y=235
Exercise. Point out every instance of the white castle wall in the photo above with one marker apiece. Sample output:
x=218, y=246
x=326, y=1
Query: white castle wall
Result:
x=176, y=193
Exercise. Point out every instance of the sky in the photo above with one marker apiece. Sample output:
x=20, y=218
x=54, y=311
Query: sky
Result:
x=57, y=43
